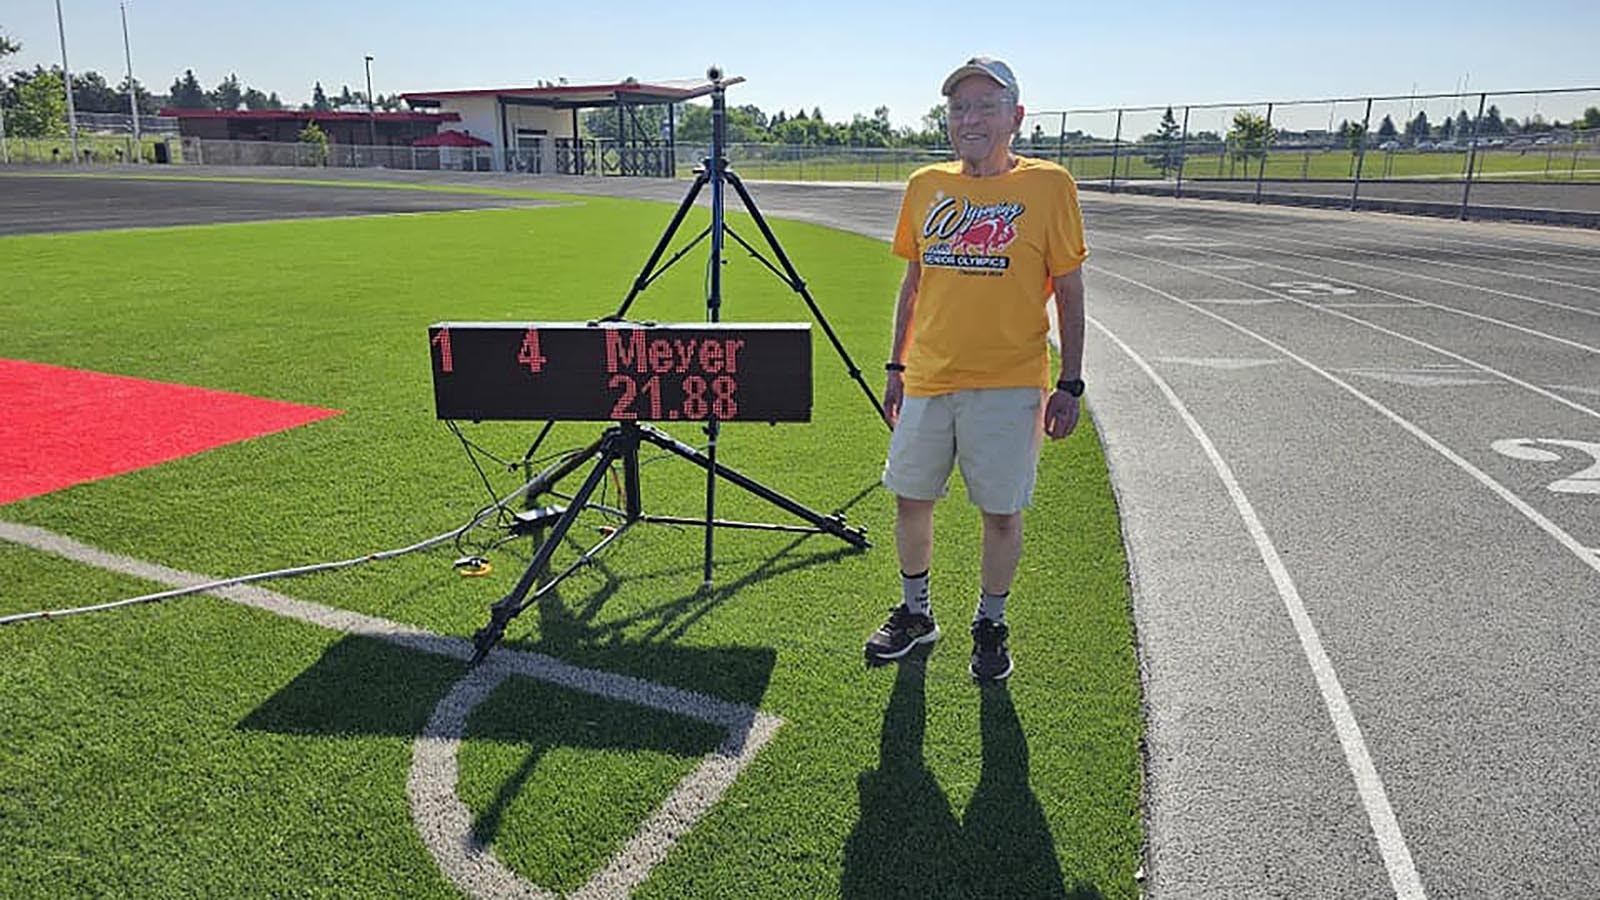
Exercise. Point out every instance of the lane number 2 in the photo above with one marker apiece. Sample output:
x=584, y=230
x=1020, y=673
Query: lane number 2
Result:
x=1584, y=481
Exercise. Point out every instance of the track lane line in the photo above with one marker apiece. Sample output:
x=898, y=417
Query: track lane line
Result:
x=1511, y=379
x=1374, y=799
x=1560, y=534
x=1377, y=290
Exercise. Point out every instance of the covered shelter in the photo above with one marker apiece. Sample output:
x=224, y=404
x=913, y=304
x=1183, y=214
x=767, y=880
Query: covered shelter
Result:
x=539, y=129
x=451, y=149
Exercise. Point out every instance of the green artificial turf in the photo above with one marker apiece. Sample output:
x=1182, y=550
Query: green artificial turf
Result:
x=201, y=748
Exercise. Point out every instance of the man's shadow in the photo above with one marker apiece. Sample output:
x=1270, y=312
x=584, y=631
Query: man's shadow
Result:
x=908, y=842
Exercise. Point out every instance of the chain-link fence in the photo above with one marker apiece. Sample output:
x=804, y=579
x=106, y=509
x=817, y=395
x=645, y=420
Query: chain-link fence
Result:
x=1473, y=153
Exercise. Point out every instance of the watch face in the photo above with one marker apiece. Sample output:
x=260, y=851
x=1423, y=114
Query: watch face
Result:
x=1073, y=386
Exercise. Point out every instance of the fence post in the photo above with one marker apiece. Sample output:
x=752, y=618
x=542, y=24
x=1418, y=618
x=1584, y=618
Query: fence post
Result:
x=1061, y=142
x=1183, y=153
x=1361, y=154
x=1266, y=139
x=1116, y=146
x=1472, y=154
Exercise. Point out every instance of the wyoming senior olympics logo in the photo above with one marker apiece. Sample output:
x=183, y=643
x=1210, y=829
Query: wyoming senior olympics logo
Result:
x=965, y=235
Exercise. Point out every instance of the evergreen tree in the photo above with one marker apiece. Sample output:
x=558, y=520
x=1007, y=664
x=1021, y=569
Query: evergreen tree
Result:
x=319, y=100
x=1168, y=157
x=1491, y=121
x=227, y=95
x=1386, y=129
x=1419, y=128
x=186, y=92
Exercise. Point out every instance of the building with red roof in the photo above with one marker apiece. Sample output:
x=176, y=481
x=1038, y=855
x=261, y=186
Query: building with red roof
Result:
x=538, y=129
x=394, y=129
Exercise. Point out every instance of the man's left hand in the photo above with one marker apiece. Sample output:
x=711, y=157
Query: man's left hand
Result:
x=1060, y=415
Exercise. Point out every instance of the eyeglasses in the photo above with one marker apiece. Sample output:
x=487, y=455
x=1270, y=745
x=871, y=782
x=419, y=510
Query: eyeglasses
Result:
x=986, y=109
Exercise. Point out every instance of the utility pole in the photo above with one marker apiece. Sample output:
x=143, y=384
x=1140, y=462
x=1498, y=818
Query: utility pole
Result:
x=372, y=115
x=133, y=103
x=66, y=78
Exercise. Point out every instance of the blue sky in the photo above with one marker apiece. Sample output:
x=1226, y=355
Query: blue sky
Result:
x=844, y=57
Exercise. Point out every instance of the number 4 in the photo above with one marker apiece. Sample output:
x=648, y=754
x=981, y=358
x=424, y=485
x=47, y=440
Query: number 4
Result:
x=529, y=354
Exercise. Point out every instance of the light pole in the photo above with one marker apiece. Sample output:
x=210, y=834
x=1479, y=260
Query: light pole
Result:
x=372, y=115
x=133, y=103
x=66, y=78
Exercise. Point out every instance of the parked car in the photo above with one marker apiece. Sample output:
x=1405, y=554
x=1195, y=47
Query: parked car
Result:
x=1425, y=145
x=1390, y=146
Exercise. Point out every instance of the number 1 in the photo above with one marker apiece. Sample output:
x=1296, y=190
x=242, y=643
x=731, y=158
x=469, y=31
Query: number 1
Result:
x=442, y=341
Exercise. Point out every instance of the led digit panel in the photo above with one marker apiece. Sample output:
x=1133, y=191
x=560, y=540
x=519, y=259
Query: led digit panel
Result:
x=578, y=371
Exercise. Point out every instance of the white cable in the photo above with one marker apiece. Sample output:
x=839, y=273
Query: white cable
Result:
x=277, y=573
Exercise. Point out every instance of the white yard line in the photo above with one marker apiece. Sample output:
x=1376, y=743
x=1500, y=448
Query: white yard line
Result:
x=443, y=821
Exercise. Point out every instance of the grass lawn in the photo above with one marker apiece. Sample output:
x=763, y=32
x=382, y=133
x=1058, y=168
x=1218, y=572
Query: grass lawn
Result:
x=202, y=748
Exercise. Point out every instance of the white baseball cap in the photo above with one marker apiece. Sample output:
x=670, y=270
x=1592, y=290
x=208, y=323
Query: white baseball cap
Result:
x=990, y=68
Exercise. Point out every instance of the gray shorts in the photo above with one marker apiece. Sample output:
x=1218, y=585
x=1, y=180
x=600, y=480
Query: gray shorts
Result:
x=994, y=433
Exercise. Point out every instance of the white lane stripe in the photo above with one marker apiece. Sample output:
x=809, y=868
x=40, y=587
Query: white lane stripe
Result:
x=443, y=821
x=1376, y=290
x=1438, y=262
x=1500, y=490
x=1326, y=308
x=1478, y=254
x=1499, y=243
x=1385, y=828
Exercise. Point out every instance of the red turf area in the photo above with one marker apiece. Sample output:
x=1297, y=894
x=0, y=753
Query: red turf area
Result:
x=60, y=427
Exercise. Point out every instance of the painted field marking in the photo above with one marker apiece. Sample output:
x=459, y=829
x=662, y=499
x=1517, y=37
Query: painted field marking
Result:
x=1422, y=376
x=1445, y=281
x=1584, y=481
x=1419, y=259
x=1369, y=786
x=1528, y=512
x=1310, y=288
x=442, y=820
x=1575, y=388
x=1327, y=308
x=1238, y=301
x=1439, y=306
x=1226, y=363
x=1176, y=237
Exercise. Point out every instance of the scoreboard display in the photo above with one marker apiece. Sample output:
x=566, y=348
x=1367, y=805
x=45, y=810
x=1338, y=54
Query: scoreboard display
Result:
x=621, y=371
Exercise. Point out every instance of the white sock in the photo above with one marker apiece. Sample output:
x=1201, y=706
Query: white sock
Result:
x=914, y=589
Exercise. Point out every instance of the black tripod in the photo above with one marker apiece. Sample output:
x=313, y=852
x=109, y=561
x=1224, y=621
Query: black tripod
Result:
x=620, y=443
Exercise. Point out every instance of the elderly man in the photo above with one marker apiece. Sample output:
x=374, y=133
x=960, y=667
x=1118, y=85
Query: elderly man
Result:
x=988, y=240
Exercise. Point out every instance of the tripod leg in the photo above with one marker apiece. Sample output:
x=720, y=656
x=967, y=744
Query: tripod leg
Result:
x=833, y=525
x=511, y=605
x=799, y=285
x=661, y=246
x=711, y=500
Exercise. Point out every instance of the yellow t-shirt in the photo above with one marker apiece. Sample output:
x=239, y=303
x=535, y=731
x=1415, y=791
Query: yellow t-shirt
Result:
x=988, y=248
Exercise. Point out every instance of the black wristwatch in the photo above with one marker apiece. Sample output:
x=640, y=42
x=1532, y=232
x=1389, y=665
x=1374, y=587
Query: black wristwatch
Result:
x=1073, y=386
x=894, y=367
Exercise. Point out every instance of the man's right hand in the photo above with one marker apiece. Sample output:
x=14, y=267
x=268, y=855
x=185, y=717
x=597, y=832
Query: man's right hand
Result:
x=893, y=393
